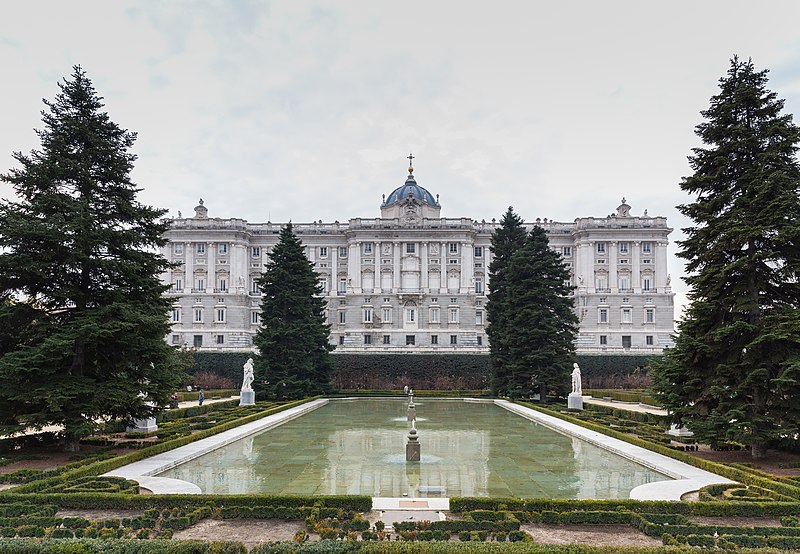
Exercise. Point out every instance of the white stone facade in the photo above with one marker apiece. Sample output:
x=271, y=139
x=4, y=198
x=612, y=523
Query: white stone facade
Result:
x=414, y=281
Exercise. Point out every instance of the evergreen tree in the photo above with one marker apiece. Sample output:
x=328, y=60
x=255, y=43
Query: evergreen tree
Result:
x=83, y=318
x=293, y=342
x=734, y=373
x=506, y=240
x=541, y=328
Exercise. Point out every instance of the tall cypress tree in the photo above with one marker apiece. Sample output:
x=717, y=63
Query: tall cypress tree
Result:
x=84, y=320
x=542, y=326
x=506, y=240
x=293, y=342
x=735, y=370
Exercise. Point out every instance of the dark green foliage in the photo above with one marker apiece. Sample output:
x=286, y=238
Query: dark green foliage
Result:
x=420, y=371
x=293, y=342
x=78, y=254
x=540, y=328
x=734, y=373
x=506, y=240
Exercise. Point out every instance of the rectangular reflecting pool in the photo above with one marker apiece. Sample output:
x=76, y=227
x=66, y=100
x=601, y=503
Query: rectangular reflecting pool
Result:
x=357, y=446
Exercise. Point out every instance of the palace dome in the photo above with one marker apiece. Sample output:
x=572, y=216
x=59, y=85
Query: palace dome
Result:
x=410, y=189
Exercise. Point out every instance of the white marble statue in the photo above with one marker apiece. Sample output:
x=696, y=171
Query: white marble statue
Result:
x=576, y=380
x=247, y=382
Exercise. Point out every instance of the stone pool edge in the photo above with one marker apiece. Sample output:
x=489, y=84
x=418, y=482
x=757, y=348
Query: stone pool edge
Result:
x=686, y=478
x=144, y=471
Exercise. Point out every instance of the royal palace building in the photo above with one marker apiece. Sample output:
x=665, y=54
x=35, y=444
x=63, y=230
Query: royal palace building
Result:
x=413, y=281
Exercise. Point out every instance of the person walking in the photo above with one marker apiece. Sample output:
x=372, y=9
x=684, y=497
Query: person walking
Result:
x=200, y=398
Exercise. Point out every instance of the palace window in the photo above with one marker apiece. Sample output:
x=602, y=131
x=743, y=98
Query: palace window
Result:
x=626, y=315
x=566, y=251
x=452, y=248
x=623, y=247
x=254, y=318
x=197, y=341
x=201, y=248
x=602, y=315
x=176, y=315
x=479, y=251
x=220, y=315
x=342, y=316
x=478, y=286
x=453, y=339
x=222, y=248
x=342, y=285
x=648, y=340
x=367, y=339
x=342, y=251
x=410, y=315
x=367, y=315
x=603, y=340
x=387, y=339
x=434, y=339
x=434, y=315
x=386, y=315
x=176, y=339
x=601, y=248
x=367, y=248
x=453, y=315
x=410, y=340
x=200, y=284
x=323, y=251
x=220, y=339
x=178, y=285
x=478, y=318
x=177, y=249
x=626, y=341
x=646, y=283
x=650, y=315
x=198, y=315
x=646, y=247
x=410, y=247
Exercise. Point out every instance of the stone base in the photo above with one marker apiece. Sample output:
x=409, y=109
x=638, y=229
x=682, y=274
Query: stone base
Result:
x=142, y=426
x=574, y=401
x=247, y=398
x=679, y=431
x=412, y=452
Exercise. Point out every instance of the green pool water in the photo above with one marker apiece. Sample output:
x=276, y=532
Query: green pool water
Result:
x=468, y=449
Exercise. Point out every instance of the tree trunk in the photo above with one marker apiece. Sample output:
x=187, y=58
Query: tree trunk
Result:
x=542, y=393
x=758, y=449
x=71, y=439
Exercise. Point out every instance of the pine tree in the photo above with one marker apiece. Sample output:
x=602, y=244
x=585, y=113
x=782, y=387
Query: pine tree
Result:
x=506, y=240
x=293, y=342
x=734, y=373
x=542, y=326
x=84, y=320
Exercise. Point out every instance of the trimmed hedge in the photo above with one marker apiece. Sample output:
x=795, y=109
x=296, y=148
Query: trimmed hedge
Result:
x=91, y=546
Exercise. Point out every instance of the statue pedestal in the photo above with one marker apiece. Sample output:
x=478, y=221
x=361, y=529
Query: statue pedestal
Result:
x=247, y=398
x=679, y=431
x=412, y=452
x=574, y=401
x=142, y=426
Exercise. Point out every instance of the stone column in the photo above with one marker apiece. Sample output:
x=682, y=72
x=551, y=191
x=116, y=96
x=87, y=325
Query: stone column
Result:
x=443, y=289
x=612, y=267
x=636, y=270
x=212, y=267
x=661, y=270
x=239, y=268
x=396, y=269
x=423, y=265
x=376, y=251
x=334, y=272
x=188, y=254
x=354, y=268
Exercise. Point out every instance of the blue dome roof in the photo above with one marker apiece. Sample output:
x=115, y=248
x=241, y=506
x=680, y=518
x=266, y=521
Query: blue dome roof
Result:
x=412, y=189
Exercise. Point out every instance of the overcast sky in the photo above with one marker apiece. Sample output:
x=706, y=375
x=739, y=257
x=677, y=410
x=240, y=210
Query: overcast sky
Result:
x=306, y=110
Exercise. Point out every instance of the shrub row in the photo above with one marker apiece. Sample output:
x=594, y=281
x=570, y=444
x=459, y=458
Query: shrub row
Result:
x=280, y=512
x=91, y=546
x=640, y=396
x=137, y=502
